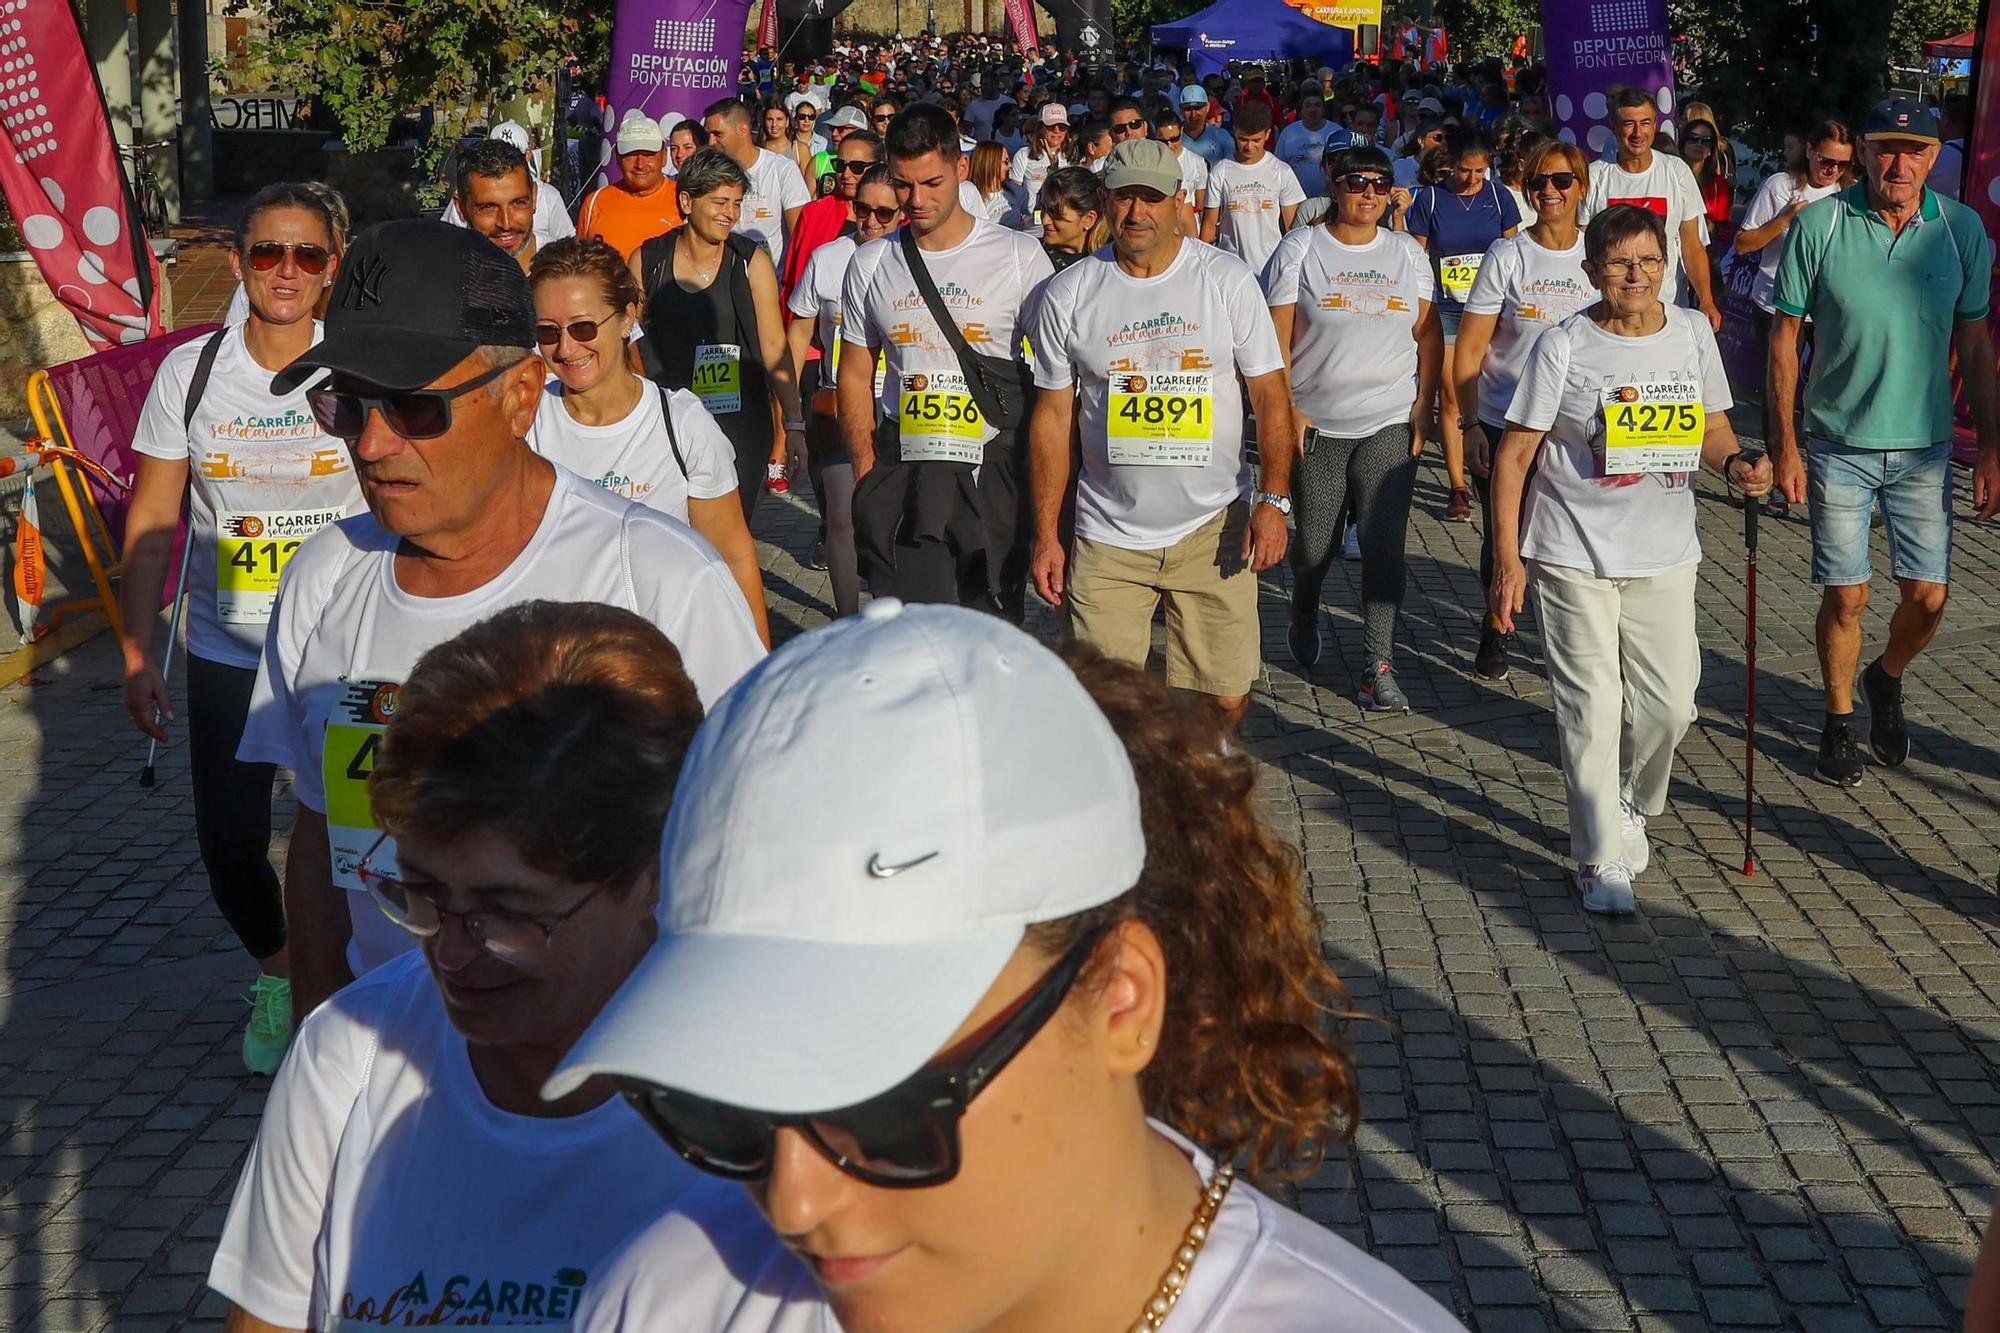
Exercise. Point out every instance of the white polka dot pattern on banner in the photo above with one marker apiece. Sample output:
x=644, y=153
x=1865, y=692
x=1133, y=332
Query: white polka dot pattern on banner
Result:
x=1600, y=138
x=41, y=231
x=1564, y=106
x=54, y=191
x=1617, y=16
x=22, y=112
x=1993, y=190
x=1594, y=106
x=100, y=225
x=1665, y=97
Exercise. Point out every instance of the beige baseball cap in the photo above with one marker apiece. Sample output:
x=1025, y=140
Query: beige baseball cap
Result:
x=1146, y=162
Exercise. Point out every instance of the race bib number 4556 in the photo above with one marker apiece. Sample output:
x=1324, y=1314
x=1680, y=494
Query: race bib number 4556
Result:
x=1160, y=420
x=938, y=419
x=1653, y=427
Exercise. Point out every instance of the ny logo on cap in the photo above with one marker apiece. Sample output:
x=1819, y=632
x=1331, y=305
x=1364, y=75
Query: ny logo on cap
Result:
x=363, y=287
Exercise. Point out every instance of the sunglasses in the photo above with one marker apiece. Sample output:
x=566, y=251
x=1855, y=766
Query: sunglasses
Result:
x=414, y=414
x=857, y=167
x=906, y=1138
x=1563, y=180
x=803, y=114
x=579, y=330
x=1355, y=182
x=885, y=119
x=267, y=255
x=1700, y=139
x=884, y=216
x=508, y=936
x=1127, y=126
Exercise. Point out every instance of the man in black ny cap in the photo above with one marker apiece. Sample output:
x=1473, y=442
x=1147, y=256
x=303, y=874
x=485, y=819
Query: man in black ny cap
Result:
x=430, y=376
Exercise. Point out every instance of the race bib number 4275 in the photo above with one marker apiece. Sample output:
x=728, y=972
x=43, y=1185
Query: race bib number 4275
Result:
x=1653, y=427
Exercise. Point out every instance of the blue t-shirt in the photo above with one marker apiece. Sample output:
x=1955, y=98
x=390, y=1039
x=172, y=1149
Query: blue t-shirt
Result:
x=1458, y=228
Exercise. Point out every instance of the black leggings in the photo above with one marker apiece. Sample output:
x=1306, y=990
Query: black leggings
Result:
x=1376, y=475
x=1484, y=486
x=232, y=806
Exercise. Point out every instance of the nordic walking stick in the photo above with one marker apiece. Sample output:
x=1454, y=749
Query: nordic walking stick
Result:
x=1751, y=505
x=146, y=778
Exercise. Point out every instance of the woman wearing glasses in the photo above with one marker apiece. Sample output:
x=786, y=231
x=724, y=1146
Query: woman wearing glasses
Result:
x=606, y=424
x=991, y=1066
x=258, y=475
x=1630, y=397
x=406, y=1170
x=1353, y=304
x=1048, y=150
x=1527, y=283
x=816, y=310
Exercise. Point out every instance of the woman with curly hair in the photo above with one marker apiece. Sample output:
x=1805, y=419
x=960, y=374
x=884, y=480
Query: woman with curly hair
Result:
x=989, y=1056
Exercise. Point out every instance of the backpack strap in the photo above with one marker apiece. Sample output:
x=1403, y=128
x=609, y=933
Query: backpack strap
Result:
x=673, y=440
x=198, y=384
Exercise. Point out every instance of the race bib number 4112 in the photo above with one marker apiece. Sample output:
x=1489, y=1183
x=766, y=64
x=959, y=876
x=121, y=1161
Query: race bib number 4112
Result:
x=1653, y=427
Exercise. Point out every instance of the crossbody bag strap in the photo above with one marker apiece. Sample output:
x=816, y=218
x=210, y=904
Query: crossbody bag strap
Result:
x=673, y=440
x=968, y=360
x=198, y=383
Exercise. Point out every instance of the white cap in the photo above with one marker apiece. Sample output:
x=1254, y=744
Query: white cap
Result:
x=847, y=118
x=640, y=133
x=513, y=132
x=946, y=782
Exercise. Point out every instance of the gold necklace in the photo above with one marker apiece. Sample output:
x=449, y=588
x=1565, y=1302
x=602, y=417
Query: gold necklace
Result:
x=1174, y=1280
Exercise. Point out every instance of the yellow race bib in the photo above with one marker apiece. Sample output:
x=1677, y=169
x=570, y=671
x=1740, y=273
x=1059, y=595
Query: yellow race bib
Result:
x=1456, y=274
x=1653, y=427
x=718, y=377
x=938, y=419
x=251, y=552
x=348, y=748
x=1160, y=420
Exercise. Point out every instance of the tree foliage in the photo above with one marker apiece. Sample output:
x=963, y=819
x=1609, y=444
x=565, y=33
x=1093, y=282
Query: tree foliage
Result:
x=1479, y=28
x=1914, y=22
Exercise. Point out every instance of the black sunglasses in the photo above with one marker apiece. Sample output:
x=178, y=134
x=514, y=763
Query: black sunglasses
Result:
x=414, y=414
x=906, y=1138
x=1127, y=126
x=579, y=330
x=1563, y=180
x=882, y=215
x=267, y=255
x=856, y=166
x=1355, y=182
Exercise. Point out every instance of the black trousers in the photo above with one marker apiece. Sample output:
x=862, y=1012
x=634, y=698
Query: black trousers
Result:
x=232, y=806
x=1484, y=486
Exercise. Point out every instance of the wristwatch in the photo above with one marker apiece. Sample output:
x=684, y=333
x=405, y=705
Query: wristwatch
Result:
x=1281, y=503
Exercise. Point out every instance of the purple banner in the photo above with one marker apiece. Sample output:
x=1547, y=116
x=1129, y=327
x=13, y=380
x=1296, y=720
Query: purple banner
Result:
x=673, y=55
x=1596, y=46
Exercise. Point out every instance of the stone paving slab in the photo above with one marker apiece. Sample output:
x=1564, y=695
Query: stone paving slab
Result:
x=1760, y=1103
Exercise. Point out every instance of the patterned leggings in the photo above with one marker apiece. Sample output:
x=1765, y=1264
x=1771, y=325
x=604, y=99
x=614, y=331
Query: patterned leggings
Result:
x=1378, y=474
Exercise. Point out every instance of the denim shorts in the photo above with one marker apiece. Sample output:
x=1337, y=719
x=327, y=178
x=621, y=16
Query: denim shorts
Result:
x=1448, y=317
x=1913, y=488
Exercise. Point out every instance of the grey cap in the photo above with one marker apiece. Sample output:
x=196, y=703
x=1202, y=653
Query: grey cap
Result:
x=1145, y=162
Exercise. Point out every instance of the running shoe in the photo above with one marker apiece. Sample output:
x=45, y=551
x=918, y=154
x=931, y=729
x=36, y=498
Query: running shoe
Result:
x=269, y=1033
x=1491, y=661
x=1351, y=549
x=1460, y=508
x=1379, y=692
x=775, y=480
x=817, y=560
x=1302, y=637
x=1607, y=887
x=1888, y=734
x=1632, y=825
x=1839, y=759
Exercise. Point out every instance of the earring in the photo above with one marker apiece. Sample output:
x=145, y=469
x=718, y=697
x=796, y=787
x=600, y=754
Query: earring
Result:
x=1145, y=1040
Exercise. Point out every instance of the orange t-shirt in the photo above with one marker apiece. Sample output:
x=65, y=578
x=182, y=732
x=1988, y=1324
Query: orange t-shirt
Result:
x=627, y=221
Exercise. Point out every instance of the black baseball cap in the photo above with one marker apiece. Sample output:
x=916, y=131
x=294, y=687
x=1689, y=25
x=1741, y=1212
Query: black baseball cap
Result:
x=413, y=299
x=1901, y=118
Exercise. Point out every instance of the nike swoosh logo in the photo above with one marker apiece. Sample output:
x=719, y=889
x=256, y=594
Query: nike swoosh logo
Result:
x=879, y=871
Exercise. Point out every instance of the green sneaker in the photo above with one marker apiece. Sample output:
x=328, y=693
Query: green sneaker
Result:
x=269, y=1034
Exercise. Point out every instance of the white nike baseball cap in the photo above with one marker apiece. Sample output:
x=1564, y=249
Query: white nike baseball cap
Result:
x=940, y=782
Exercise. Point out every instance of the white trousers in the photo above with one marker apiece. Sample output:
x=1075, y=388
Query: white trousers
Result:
x=1623, y=665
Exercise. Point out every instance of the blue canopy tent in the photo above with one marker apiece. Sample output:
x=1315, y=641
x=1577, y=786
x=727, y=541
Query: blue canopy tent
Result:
x=1254, y=30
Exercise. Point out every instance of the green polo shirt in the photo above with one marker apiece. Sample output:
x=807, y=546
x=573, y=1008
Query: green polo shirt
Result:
x=1883, y=309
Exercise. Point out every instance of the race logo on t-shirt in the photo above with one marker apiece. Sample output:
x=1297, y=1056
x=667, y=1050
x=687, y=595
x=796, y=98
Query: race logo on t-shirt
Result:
x=1368, y=292
x=1551, y=300
x=520, y=1303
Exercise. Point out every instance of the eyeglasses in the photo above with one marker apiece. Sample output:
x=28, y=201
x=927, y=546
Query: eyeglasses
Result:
x=1838, y=163
x=414, y=414
x=1618, y=268
x=508, y=936
x=1355, y=182
x=267, y=255
x=884, y=216
x=1563, y=180
x=856, y=166
x=1703, y=139
x=579, y=330
x=906, y=1138
x=1127, y=126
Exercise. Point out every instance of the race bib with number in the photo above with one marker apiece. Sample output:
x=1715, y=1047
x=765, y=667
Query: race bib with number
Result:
x=1161, y=420
x=1456, y=274
x=939, y=421
x=1653, y=427
x=347, y=757
x=718, y=377
x=251, y=551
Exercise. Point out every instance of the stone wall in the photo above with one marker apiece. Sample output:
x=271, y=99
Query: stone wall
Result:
x=895, y=17
x=36, y=331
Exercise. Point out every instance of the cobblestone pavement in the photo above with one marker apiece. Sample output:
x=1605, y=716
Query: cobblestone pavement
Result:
x=1760, y=1103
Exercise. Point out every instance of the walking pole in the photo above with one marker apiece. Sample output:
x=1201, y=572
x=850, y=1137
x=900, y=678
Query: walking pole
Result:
x=146, y=778
x=1751, y=505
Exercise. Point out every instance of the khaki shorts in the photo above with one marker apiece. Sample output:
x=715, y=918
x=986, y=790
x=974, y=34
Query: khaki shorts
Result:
x=1214, y=644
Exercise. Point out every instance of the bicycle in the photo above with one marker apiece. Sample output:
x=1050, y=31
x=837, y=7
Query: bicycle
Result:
x=147, y=190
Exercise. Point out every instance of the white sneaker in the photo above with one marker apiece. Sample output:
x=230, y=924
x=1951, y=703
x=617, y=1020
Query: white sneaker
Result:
x=1638, y=852
x=1351, y=549
x=1606, y=887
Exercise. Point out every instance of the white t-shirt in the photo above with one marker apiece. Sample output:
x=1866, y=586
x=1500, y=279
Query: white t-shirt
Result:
x=984, y=281
x=1769, y=202
x=1028, y=172
x=1177, y=341
x=1305, y=149
x=262, y=477
x=1667, y=186
x=344, y=637
x=715, y=1267
x=1250, y=203
x=634, y=457
x=551, y=216
x=1354, y=347
x=817, y=297
x=1530, y=289
x=384, y=1186
x=776, y=187
x=1947, y=170
x=1194, y=173
x=972, y=201
x=1622, y=527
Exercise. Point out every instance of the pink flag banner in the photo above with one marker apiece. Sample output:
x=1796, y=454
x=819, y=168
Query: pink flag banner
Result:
x=1021, y=18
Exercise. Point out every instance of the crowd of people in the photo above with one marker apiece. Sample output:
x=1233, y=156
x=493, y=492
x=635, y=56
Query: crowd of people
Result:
x=471, y=557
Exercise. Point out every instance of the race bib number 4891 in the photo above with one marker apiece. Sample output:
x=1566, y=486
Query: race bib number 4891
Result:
x=938, y=419
x=1653, y=427
x=1165, y=420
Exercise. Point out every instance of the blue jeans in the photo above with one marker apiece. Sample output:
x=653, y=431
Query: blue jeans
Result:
x=1913, y=488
